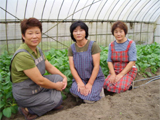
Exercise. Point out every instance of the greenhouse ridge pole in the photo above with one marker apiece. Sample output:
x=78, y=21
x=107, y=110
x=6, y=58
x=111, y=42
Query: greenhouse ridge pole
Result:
x=89, y=9
x=6, y=26
x=41, y=20
x=123, y=9
x=99, y=15
x=57, y=20
x=154, y=27
x=96, y=20
x=15, y=25
x=68, y=17
x=75, y=9
x=137, y=16
x=51, y=10
x=34, y=8
x=145, y=16
x=83, y=9
x=155, y=24
x=25, y=9
x=10, y=14
x=43, y=9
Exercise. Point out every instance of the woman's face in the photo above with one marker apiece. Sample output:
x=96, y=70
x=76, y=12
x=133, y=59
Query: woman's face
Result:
x=32, y=36
x=79, y=33
x=119, y=34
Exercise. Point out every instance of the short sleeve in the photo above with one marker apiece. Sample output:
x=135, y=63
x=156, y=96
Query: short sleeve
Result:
x=23, y=61
x=70, y=53
x=109, y=54
x=95, y=48
x=132, y=53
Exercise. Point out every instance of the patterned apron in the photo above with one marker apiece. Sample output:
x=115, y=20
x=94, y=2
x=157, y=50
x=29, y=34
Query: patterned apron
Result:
x=83, y=63
x=30, y=95
x=120, y=60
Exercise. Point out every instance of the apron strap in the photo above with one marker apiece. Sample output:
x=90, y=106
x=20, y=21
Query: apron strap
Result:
x=129, y=44
x=41, y=52
x=112, y=46
x=73, y=47
x=22, y=50
x=90, y=45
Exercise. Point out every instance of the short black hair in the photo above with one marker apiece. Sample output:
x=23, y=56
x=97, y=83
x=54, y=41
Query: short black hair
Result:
x=75, y=25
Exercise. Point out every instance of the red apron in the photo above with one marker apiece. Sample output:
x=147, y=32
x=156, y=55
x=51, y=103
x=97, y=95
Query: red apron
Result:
x=120, y=60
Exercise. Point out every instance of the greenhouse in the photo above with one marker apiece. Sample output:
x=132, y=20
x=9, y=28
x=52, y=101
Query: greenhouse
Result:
x=142, y=18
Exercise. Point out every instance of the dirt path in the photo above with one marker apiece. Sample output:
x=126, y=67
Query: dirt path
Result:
x=138, y=104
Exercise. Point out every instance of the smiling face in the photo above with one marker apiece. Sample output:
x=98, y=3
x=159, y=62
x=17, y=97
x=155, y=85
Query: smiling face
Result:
x=32, y=37
x=79, y=34
x=120, y=35
x=119, y=30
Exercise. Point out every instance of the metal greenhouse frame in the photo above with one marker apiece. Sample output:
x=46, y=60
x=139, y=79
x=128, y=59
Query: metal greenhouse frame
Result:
x=141, y=16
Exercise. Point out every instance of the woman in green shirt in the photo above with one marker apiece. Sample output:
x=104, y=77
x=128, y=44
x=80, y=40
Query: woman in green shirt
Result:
x=35, y=93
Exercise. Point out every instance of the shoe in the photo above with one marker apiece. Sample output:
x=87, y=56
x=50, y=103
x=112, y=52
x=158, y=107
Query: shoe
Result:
x=130, y=88
x=26, y=114
x=76, y=96
x=60, y=107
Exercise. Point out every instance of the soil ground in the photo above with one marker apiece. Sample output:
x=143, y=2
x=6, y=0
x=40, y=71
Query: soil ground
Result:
x=142, y=103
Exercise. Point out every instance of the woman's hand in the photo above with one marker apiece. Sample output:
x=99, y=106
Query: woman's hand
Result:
x=88, y=89
x=112, y=78
x=65, y=82
x=81, y=88
x=118, y=77
x=59, y=86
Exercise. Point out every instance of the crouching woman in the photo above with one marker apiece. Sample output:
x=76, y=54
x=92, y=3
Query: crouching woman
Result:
x=121, y=60
x=35, y=93
x=84, y=60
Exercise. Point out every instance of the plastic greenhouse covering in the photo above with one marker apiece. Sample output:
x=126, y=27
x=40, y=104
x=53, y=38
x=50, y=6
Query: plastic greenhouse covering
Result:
x=141, y=16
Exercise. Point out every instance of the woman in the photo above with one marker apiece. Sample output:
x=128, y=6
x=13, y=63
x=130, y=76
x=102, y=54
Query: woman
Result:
x=34, y=93
x=84, y=60
x=121, y=60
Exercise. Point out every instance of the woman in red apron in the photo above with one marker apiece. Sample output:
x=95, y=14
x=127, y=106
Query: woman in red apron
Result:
x=121, y=60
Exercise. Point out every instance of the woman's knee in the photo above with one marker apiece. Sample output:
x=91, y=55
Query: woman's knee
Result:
x=54, y=78
x=122, y=88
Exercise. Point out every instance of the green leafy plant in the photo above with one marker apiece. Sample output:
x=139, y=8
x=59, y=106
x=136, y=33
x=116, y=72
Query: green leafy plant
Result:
x=103, y=60
x=148, y=56
x=59, y=59
x=7, y=104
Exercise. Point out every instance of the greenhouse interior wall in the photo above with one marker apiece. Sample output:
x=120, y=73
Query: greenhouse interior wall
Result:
x=141, y=16
x=157, y=32
x=57, y=35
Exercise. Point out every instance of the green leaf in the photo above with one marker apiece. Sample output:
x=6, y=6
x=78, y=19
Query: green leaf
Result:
x=153, y=63
x=67, y=72
x=63, y=96
x=7, y=112
x=67, y=90
x=14, y=109
x=2, y=104
x=1, y=115
x=149, y=74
